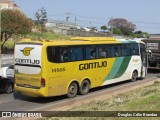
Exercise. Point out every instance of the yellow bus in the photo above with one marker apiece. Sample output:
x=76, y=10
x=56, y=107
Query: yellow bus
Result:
x=52, y=68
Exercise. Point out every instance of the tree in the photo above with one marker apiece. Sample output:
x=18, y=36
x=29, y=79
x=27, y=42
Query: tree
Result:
x=117, y=31
x=41, y=16
x=13, y=22
x=104, y=27
x=140, y=34
x=126, y=27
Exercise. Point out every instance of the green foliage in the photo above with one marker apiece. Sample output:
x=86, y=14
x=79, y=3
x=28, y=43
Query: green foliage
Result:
x=147, y=35
x=142, y=99
x=34, y=36
x=41, y=16
x=46, y=36
x=125, y=31
x=141, y=35
x=15, y=22
x=117, y=31
x=137, y=32
x=9, y=44
x=104, y=27
x=125, y=26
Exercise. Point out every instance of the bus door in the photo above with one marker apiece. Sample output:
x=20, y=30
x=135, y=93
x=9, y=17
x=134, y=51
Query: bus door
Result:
x=143, y=59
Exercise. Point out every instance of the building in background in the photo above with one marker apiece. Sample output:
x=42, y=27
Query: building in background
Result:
x=8, y=4
x=60, y=27
x=154, y=35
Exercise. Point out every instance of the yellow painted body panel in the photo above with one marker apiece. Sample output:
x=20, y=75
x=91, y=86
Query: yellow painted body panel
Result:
x=57, y=82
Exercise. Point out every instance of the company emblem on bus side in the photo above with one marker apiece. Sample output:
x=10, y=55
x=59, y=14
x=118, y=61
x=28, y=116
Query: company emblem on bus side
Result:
x=26, y=51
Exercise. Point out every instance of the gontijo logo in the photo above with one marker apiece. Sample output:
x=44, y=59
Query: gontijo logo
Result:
x=26, y=51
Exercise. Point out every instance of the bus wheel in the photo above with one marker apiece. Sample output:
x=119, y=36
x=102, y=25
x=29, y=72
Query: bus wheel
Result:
x=134, y=76
x=72, y=90
x=84, y=88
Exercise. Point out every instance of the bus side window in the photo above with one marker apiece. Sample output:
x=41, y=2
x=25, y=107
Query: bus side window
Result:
x=116, y=54
x=79, y=53
x=134, y=49
x=128, y=50
x=111, y=51
x=76, y=53
x=90, y=52
x=120, y=50
x=53, y=54
x=101, y=52
x=93, y=52
x=73, y=52
x=64, y=54
x=108, y=51
x=87, y=53
x=123, y=50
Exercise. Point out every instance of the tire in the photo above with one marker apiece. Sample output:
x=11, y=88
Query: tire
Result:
x=134, y=76
x=84, y=88
x=9, y=88
x=72, y=90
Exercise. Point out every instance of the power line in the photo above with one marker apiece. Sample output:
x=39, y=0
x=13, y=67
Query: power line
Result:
x=153, y=23
x=90, y=21
x=99, y=18
x=57, y=15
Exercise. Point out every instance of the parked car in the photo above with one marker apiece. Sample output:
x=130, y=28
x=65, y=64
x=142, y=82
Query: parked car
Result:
x=7, y=79
x=10, y=72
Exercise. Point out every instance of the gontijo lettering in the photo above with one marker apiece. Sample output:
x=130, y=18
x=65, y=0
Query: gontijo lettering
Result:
x=93, y=65
x=27, y=61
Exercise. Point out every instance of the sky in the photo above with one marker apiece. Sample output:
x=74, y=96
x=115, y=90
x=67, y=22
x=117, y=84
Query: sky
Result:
x=145, y=14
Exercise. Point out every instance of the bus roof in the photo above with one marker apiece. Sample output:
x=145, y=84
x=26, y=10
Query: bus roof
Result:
x=79, y=41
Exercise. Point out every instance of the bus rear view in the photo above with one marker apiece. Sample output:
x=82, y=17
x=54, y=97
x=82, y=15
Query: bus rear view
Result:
x=28, y=69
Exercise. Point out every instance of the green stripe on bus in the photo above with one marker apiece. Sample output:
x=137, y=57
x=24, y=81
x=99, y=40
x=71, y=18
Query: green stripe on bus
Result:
x=115, y=68
x=123, y=67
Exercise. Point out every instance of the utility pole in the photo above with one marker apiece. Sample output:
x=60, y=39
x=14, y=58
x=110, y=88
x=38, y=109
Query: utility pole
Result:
x=112, y=26
x=67, y=16
x=75, y=27
x=0, y=38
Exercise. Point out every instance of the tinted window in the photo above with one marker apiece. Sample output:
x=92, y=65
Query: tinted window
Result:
x=123, y=50
x=90, y=52
x=53, y=54
x=73, y=52
x=76, y=53
x=108, y=51
x=128, y=50
x=134, y=49
x=102, y=52
x=65, y=56
x=79, y=54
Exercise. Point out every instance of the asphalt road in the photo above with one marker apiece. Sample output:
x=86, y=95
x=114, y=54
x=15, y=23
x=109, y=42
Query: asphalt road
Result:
x=18, y=102
x=7, y=59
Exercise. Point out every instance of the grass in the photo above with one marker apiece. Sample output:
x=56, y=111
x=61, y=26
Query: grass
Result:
x=35, y=36
x=143, y=99
x=46, y=35
x=9, y=44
